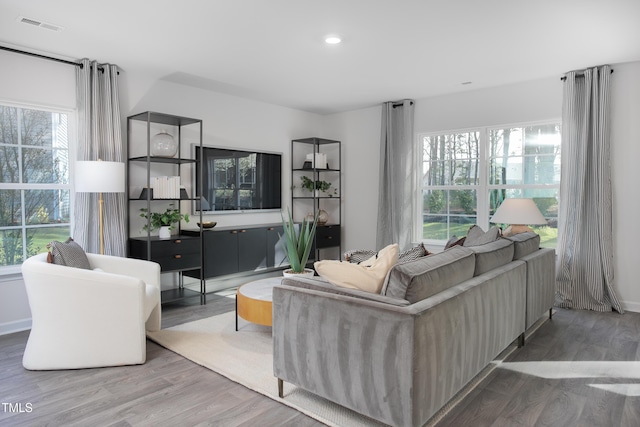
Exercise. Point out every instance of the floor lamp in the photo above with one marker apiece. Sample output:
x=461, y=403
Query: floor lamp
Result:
x=99, y=177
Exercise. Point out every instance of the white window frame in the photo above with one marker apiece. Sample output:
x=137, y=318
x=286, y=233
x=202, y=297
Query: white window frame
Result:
x=11, y=270
x=483, y=188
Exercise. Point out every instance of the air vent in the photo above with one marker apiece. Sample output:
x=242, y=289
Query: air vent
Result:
x=40, y=24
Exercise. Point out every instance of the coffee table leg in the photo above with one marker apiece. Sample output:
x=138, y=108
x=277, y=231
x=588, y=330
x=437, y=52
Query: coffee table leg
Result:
x=236, y=313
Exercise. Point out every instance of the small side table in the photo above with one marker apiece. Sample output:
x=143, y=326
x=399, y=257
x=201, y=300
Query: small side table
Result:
x=253, y=301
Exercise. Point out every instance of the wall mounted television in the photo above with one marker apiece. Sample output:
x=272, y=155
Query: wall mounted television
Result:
x=238, y=180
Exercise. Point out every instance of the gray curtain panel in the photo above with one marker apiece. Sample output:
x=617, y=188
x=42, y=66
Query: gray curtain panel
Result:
x=398, y=179
x=99, y=138
x=584, y=269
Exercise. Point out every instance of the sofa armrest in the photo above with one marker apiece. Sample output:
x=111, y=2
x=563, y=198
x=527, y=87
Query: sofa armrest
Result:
x=541, y=284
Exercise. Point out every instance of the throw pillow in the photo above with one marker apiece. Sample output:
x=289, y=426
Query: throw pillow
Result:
x=358, y=255
x=476, y=236
x=413, y=254
x=455, y=241
x=69, y=254
x=367, y=276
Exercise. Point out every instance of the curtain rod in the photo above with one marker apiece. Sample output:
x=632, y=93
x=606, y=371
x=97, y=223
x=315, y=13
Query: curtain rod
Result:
x=50, y=58
x=580, y=75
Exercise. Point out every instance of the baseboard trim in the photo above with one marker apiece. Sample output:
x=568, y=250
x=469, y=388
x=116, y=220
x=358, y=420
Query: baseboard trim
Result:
x=631, y=306
x=15, y=326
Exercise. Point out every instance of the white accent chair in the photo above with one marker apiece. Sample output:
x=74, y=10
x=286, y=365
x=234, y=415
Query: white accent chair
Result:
x=90, y=318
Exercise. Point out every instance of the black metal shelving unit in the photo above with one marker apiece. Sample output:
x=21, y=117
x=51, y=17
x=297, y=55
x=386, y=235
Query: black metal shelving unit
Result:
x=303, y=203
x=182, y=252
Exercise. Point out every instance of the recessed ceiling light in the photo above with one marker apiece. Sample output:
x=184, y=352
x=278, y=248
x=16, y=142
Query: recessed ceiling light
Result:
x=332, y=40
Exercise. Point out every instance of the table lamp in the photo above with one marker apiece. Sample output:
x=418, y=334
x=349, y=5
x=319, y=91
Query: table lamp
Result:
x=99, y=177
x=519, y=213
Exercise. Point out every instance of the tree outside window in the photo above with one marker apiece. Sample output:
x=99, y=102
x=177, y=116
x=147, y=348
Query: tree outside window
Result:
x=34, y=184
x=467, y=174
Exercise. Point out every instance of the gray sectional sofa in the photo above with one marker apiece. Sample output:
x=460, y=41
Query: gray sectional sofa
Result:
x=400, y=356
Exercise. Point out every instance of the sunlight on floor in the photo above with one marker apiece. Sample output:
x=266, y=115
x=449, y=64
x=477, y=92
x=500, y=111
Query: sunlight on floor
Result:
x=583, y=369
x=560, y=370
x=632, y=390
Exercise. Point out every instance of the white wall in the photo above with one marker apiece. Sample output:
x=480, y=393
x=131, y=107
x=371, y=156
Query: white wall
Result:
x=625, y=155
x=359, y=132
x=29, y=80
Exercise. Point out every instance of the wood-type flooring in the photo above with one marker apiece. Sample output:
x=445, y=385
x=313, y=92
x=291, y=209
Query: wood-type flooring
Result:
x=169, y=390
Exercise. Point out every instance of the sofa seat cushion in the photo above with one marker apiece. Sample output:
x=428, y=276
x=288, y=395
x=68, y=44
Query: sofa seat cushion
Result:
x=367, y=276
x=492, y=255
x=524, y=244
x=427, y=276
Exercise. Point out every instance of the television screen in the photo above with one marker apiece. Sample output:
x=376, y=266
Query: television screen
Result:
x=238, y=180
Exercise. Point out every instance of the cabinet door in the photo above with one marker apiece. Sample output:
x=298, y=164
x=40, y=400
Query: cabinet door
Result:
x=252, y=249
x=327, y=236
x=220, y=253
x=276, y=256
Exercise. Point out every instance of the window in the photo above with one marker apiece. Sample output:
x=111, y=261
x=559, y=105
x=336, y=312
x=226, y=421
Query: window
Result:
x=34, y=184
x=467, y=174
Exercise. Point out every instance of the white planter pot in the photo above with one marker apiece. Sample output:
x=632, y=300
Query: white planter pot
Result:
x=164, y=233
x=307, y=273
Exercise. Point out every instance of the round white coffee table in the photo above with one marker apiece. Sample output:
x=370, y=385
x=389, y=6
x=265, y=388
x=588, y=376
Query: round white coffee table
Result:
x=253, y=301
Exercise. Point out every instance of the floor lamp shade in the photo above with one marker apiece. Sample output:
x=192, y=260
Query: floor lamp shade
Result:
x=519, y=213
x=99, y=177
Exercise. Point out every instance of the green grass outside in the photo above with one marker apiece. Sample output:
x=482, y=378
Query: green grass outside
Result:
x=40, y=238
x=44, y=236
x=438, y=231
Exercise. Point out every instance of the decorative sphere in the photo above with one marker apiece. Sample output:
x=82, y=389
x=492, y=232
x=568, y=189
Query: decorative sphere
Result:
x=323, y=217
x=163, y=145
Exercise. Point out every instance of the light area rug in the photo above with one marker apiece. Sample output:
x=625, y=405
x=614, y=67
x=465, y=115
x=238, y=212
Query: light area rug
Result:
x=246, y=357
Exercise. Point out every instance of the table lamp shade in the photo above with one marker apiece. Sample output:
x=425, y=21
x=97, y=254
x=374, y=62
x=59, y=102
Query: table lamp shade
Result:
x=99, y=177
x=518, y=211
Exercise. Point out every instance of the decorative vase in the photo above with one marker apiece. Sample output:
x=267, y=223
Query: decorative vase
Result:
x=163, y=145
x=323, y=217
x=308, y=272
x=164, y=232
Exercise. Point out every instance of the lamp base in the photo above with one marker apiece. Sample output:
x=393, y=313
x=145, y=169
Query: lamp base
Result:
x=516, y=229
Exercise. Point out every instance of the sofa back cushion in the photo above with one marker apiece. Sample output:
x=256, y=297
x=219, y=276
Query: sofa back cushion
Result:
x=492, y=255
x=524, y=244
x=427, y=276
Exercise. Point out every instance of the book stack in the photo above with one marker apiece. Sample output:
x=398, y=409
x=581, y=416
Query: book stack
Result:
x=165, y=187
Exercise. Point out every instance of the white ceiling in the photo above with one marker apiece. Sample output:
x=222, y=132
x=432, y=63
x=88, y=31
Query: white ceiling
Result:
x=273, y=50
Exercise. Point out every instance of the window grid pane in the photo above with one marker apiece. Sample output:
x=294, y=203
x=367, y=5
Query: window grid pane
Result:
x=520, y=162
x=34, y=157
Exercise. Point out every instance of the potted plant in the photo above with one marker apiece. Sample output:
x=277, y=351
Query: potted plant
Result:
x=297, y=244
x=311, y=185
x=164, y=221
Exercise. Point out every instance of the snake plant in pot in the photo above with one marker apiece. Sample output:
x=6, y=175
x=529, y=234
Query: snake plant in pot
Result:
x=297, y=243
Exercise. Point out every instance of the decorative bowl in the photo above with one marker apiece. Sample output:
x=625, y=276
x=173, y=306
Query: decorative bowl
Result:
x=208, y=224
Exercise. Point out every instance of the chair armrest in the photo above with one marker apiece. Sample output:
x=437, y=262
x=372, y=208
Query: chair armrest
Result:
x=147, y=271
